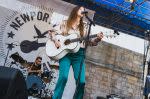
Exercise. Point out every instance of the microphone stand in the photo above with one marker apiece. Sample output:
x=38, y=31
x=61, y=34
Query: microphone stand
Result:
x=89, y=31
x=86, y=45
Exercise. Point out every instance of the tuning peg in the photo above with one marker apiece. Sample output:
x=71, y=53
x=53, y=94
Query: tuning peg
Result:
x=116, y=32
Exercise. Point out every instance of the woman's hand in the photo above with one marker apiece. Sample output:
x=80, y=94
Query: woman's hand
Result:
x=51, y=33
x=99, y=37
x=53, y=38
x=57, y=44
x=94, y=42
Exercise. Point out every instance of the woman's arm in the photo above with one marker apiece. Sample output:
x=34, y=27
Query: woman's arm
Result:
x=53, y=38
x=52, y=35
x=95, y=41
x=59, y=29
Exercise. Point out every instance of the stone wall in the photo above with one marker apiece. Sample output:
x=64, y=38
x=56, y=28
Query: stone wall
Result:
x=113, y=70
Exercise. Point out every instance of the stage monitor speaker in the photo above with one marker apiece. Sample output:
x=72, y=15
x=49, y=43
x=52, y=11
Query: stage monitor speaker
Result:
x=12, y=84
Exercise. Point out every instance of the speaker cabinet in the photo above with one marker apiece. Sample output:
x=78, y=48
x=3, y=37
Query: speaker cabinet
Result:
x=12, y=84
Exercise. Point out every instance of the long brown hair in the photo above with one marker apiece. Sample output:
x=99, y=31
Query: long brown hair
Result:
x=72, y=18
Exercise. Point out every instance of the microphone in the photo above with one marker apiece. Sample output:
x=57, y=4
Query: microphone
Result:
x=84, y=12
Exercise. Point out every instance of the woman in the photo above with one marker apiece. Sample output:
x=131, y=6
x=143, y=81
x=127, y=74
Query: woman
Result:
x=74, y=24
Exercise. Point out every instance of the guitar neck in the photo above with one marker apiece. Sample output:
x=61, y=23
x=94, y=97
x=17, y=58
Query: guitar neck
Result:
x=91, y=36
x=83, y=38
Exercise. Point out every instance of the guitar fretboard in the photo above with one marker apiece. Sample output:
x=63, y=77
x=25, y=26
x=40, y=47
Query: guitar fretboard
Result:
x=83, y=38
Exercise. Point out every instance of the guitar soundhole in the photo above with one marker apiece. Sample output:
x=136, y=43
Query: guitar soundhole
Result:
x=67, y=42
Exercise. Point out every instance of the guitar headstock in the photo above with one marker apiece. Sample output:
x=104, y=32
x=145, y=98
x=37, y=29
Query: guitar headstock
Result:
x=110, y=36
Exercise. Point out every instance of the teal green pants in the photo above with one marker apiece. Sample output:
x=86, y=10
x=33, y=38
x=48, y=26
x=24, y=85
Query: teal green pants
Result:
x=74, y=60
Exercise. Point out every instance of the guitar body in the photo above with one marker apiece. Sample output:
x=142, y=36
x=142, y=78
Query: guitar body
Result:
x=69, y=44
x=57, y=53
